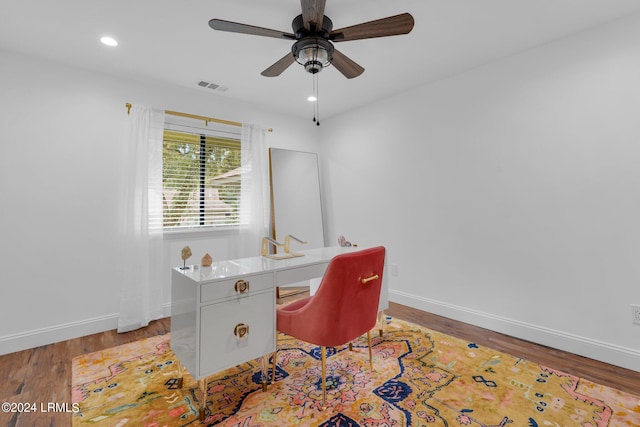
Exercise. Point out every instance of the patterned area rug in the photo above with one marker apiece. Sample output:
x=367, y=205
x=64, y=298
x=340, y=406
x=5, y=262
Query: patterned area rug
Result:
x=422, y=378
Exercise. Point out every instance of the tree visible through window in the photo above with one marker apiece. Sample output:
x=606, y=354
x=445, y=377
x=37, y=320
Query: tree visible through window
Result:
x=201, y=180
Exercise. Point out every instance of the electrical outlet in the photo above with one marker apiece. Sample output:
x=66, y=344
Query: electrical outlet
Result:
x=394, y=270
x=635, y=314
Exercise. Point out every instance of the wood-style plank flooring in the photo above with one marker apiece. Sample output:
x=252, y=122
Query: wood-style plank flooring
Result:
x=43, y=374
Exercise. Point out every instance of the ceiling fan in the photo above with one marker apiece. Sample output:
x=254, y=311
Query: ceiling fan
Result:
x=314, y=37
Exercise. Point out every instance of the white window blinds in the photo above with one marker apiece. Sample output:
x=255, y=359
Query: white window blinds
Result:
x=201, y=174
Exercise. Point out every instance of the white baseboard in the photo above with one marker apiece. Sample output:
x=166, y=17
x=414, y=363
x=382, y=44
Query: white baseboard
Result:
x=52, y=334
x=587, y=347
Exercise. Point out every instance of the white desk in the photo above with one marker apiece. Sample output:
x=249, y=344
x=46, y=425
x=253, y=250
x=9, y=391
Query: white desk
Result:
x=211, y=307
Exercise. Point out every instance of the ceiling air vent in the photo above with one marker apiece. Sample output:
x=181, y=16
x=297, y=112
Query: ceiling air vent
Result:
x=213, y=86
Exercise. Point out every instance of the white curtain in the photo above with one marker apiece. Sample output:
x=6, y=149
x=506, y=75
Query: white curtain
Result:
x=141, y=254
x=254, y=199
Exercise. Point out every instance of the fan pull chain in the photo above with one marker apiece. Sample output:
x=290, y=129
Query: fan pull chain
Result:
x=316, y=112
x=313, y=93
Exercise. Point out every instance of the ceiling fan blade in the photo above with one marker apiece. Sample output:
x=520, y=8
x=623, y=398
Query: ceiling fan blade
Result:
x=235, y=27
x=312, y=13
x=282, y=64
x=390, y=26
x=345, y=65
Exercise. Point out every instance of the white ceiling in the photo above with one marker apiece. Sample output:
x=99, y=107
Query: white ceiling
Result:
x=169, y=41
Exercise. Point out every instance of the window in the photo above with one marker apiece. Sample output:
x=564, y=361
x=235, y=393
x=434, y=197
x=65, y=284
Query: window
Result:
x=201, y=179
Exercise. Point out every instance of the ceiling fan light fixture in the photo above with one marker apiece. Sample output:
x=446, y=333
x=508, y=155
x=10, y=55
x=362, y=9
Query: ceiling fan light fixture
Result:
x=314, y=53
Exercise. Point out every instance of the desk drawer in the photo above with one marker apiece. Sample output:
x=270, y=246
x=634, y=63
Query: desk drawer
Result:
x=229, y=288
x=299, y=274
x=220, y=347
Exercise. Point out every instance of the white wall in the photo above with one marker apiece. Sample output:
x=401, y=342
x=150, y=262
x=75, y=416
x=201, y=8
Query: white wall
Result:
x=61, y=137
x=508, y=196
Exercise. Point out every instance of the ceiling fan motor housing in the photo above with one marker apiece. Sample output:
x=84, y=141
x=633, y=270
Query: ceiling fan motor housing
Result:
x=312, y=49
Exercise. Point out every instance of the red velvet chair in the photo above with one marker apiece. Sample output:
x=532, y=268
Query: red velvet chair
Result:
x=344, y=307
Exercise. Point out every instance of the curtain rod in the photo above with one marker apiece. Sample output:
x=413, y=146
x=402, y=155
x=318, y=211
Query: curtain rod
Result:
x=196, y=117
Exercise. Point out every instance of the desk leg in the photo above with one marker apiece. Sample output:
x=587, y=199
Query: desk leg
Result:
x=180, y=379
x=202, y=388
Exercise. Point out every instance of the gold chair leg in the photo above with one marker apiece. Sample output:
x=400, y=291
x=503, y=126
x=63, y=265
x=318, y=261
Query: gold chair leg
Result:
x=264, y=372
x=370, y=353
x=350, y=346
x=323, y=352
x=381, y=323
x=275, y=355
x=274, y=365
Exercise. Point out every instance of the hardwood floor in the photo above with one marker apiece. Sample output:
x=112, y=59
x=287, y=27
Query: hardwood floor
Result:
x=43, y=374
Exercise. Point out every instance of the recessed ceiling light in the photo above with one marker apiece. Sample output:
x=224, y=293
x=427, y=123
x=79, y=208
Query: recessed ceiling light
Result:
x=312, y=99
x=109, y=41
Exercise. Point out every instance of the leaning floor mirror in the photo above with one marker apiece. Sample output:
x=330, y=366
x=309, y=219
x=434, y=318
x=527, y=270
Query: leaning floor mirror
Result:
x=296, y=207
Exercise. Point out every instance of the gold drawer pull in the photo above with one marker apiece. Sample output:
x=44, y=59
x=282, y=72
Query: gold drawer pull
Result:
x=241, y=331
x=369, y=279
x=241, y=286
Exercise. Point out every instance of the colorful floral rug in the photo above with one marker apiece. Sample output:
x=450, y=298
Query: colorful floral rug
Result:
x=422, y=378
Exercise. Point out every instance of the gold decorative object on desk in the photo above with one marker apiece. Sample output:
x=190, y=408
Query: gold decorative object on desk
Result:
x=287, y=247
x=185, y=255
x=206, y=260
x=264, y=251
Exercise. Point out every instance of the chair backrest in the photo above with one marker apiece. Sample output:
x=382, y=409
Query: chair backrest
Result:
x=344, y=307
